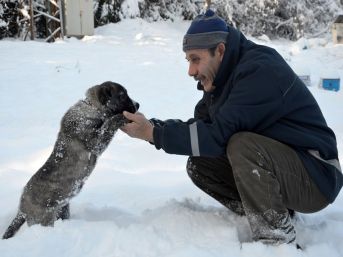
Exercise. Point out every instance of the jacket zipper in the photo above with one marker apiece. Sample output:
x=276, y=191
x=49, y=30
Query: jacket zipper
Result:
x=211, y=99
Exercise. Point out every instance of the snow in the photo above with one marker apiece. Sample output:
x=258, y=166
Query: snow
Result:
x=256, y=173
x=138, y=201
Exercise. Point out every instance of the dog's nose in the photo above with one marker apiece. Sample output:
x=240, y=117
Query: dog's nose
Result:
x=136, y=105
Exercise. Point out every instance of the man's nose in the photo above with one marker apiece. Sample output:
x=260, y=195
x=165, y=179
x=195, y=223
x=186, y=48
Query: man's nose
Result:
x=192, y=70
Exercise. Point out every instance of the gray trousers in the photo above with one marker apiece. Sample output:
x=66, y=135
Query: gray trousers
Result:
x=263, y=179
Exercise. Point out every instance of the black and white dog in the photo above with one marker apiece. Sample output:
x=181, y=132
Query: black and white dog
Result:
x=86, y=130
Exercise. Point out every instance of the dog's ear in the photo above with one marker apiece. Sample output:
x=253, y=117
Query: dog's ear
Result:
x=106, y=93
x=110, y=95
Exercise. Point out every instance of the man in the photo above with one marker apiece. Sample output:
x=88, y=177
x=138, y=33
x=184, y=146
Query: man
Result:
x=258, y=142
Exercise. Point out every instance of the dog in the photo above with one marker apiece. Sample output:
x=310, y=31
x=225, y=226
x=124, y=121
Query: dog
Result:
x=85, y=132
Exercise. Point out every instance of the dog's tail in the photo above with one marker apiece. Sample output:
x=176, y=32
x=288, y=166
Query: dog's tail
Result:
x=15, y=226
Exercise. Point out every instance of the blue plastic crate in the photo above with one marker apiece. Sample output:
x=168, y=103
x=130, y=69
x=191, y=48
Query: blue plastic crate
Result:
x=331, y=84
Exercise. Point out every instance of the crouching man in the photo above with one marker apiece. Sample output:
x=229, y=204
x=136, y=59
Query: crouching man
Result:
x=258, y=142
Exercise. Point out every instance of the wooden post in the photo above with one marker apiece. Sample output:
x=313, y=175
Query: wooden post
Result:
x=31, y=21
x=208, y=4
x=61, y=7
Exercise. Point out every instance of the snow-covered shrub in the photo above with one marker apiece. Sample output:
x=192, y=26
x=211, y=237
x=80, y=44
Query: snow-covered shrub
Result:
x=8, y=18
x=290, y=19
x=154, y=10
x=107, y=11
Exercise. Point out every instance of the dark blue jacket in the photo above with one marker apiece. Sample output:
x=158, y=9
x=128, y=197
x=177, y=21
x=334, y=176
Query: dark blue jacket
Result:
x=257, y=91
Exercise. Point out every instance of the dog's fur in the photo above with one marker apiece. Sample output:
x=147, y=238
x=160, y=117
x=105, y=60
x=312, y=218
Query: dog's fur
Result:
x=86, y=130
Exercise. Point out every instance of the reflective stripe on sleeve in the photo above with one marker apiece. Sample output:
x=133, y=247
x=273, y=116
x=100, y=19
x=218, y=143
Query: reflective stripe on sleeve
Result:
x=193, y=130
x=333, y=162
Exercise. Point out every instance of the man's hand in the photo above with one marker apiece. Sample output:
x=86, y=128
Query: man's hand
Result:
x=140, y=127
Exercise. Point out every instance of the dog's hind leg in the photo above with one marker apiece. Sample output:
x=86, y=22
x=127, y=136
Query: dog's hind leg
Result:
x=17, y=222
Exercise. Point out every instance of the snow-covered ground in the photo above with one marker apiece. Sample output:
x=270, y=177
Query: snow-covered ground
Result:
x=138, y=201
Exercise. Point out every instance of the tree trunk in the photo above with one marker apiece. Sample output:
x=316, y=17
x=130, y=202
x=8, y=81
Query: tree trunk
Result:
x=31, y=21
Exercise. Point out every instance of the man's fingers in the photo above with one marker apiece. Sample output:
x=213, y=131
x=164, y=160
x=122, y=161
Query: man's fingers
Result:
x=140, y=127
x=123, y=128
x=130, y=129
x=135, y=117
x=129, y=115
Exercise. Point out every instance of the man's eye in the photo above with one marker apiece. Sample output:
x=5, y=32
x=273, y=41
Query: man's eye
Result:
x=193, y=59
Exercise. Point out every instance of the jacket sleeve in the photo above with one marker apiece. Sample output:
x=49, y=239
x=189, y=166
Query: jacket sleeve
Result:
x=254, y=103
x=201, y=109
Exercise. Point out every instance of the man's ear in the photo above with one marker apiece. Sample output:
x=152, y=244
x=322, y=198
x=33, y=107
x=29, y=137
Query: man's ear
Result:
x=221, y=50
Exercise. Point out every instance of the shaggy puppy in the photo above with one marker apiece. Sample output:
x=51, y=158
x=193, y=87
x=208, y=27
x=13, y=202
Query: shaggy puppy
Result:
x=86, y=130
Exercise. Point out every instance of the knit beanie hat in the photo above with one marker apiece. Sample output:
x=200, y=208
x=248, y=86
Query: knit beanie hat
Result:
x=206, y=31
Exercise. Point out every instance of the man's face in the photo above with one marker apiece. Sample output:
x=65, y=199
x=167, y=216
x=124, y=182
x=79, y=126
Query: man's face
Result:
x=203, y=66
